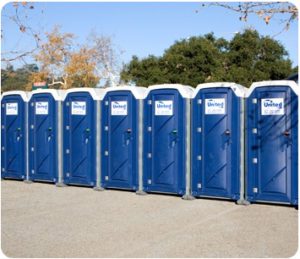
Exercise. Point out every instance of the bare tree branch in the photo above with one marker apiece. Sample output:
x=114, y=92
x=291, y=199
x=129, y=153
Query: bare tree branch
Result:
x=265, y=10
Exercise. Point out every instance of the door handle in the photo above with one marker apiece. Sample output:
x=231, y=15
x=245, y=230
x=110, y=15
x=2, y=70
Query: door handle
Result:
x=286, y=133
x=129, y=131
x=227, y=132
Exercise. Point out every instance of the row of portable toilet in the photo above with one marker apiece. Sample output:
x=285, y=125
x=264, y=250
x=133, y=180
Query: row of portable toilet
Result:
x=167, y=138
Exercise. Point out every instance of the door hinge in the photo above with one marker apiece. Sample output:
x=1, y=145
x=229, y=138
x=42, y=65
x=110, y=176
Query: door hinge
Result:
x=199, y=157
x=254, y=130
x=199, y=185
x=149, y=102
x=149, y=155
x=254, y=160
x=254, y=100
x=199, y=129
x=199, y=101
x=255, y=190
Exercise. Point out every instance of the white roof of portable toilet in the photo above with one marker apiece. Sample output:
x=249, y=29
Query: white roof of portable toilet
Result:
x=239, y=90
x=97, y=94
x=138, y=92
x=290, y=83
x=57, y=94
x=186, y=91
x=25, y=95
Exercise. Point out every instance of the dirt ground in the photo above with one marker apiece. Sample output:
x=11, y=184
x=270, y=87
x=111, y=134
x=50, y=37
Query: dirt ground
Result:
x=41, y=220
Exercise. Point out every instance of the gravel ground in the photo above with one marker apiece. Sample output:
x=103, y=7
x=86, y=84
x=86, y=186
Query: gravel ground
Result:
x=41, y=220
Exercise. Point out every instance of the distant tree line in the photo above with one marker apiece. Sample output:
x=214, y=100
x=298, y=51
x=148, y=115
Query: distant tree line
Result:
x=246, y=58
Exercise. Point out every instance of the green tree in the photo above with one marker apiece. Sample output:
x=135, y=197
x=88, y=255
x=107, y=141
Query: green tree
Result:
x=18, y=79
x=248, y=57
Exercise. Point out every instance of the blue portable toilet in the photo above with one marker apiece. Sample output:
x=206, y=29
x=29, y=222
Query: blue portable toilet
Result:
x=167, y=139
x=272, y=142
x=121, y=144
x=218, y=141
x=81, y=108
x=45, y=135
x=14, y=106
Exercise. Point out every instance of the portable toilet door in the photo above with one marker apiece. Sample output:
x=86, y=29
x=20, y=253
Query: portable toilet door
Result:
x=166, y=143
x=80, y=135
x=121, y=159
x=14, y=106
x=272, y=142
x=217, y=137
x=45, y=141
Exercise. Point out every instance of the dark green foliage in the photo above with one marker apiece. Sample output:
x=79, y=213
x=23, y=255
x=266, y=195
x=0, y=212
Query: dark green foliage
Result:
x=248, y=57
x=18, y=79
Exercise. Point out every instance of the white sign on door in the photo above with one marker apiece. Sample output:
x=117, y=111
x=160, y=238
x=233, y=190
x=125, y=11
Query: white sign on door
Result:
x=12, y=109
x=41, y=108
x=215, y=106
x=272, y=106
x=119, y=108
x=78, y=108
x=163, y=108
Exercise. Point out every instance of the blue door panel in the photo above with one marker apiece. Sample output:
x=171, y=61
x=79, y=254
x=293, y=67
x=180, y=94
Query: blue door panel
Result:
x=79, y=139
x=272, y=156
x=216, y=144
x=119, y=149
x=13, y=152
x=42, y=138
x=164, y=153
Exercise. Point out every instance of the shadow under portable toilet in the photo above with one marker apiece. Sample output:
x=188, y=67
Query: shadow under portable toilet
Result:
x=272, y=142
x=167, y=139
x=45, y=135
x=121, y=156
x=218, y=141
x=14, y=162
x=81, y=108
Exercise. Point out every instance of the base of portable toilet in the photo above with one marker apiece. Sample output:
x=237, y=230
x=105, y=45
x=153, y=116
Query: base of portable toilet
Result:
x=272, y=142
x=81, y=124
x=45, y=135
x=14, y=138
x=167, y=140
x=121, y=148
x=218, y=141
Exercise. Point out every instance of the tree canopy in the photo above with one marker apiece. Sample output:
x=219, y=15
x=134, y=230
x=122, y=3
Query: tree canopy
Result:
x=246, y=58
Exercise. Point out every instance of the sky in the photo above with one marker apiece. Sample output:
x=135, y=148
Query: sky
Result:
x=140, y=28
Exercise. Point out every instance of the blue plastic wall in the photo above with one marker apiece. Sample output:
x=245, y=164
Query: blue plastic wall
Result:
x=164, y=142
x=79, y=126
x=272, y=145
x=13, y=137
x=119, y=129
x=216, y=147
x=43, y=164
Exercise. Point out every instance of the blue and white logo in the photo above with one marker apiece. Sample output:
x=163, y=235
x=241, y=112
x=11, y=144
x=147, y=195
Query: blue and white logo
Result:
x=78, y=108
x=164, y=108
x=12, y=109
x=272, y=106
x=41, y=108
x=119, y=108
x=215, y=106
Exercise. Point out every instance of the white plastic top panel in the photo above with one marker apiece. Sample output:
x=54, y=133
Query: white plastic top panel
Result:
x=97, y=94
x=25, y=95
x=290, y=83
x=138, y=92
x=239, y=90
x=57, y=94
x=184, y=90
